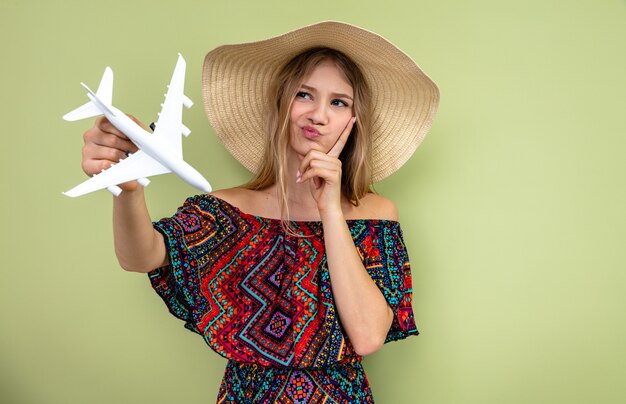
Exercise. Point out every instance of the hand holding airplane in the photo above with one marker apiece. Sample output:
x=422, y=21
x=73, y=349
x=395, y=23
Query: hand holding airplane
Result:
x=159, y=153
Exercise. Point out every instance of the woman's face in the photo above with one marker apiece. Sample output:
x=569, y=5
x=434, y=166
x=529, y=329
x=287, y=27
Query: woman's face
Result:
x=321, y=110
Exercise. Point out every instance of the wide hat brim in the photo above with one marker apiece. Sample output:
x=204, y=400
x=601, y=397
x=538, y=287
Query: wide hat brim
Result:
x=236, y=80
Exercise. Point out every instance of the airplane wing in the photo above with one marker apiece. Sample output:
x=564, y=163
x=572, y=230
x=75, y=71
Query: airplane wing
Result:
x=169, y=127
x=139, y=165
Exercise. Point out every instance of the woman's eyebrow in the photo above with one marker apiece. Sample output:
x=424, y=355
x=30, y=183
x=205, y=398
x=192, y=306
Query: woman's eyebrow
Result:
x=313, y=89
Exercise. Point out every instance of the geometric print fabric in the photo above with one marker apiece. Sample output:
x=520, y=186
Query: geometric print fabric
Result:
x=249, y=383
x=262, y=297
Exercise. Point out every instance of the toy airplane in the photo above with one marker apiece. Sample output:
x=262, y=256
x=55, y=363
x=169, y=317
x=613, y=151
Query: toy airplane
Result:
x=159, y=152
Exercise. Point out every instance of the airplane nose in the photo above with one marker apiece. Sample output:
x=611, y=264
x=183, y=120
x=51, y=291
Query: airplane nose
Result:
x=198, y=181
x=206, y=187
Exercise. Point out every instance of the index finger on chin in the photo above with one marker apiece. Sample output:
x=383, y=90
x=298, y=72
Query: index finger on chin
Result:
x=335, y=151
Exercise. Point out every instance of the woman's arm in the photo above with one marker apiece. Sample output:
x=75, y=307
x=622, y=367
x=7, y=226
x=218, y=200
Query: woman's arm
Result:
x=138, y=246
x=364, y=313
x=362, y=308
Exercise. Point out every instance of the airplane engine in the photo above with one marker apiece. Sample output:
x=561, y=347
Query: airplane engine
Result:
x=187, y=102
x=115, y=190
x=186, y=131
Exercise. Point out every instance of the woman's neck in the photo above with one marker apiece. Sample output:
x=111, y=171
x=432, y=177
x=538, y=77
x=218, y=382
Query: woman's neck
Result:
x=298, y=194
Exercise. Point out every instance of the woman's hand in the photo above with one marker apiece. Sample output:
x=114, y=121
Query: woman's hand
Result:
x=106, y=145
x=323, y=171
x=138, y=246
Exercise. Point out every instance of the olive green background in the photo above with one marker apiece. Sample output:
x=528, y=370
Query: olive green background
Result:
x=513, y=207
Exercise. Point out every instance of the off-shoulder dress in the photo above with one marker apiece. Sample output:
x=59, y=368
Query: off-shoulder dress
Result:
x=262, y=298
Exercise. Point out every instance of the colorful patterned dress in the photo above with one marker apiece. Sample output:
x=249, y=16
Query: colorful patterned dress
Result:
x=262, y=299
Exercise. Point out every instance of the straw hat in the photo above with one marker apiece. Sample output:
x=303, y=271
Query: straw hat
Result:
x=236, y=80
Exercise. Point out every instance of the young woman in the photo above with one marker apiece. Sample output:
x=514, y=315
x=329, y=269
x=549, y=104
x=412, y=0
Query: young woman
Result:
x=299, y=273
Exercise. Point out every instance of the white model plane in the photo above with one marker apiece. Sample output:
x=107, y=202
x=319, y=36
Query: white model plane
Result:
x=159, y=152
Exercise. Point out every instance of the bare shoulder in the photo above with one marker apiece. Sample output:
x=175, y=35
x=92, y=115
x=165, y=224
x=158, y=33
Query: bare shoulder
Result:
x=230, y=195
x=374, y=206
x=237, y=196
x=247, y=200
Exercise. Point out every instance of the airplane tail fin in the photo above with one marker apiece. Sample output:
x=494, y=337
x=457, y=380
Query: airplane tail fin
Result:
x=90, y=109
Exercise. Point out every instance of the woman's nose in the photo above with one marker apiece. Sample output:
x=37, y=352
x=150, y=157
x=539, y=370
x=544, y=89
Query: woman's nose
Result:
x=318, y=114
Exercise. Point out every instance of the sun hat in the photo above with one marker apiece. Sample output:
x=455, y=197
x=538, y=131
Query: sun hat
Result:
x=236, y=81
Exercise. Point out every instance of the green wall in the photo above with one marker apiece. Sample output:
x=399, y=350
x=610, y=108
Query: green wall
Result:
x=513, y=207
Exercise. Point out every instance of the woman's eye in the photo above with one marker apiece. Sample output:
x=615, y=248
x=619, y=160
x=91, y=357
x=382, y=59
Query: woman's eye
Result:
x=339, y=103
x=303, y=94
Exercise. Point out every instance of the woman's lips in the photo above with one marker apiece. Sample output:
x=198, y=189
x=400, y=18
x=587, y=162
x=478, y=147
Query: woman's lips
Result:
x=310, y=132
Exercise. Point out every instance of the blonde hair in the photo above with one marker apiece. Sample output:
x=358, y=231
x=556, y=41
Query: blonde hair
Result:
x=355, y=156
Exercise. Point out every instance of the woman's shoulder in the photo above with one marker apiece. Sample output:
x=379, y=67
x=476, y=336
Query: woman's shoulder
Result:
x=374, y=206
x=236, y=196
x=248, y=200
x=230, y=195
x=262, y=203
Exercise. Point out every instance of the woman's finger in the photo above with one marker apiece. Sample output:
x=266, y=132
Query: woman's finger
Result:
x=104, y=125
x=327, y=165
x=105, y=134
x=314, y=173
x=93, y=166
x=335, y=151
x=114, y=142
x=316, y=155
x=326, y=172
x=94, y=155
x=95, y=152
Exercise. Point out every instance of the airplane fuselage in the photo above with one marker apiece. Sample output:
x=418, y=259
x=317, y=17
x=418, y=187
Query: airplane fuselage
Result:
x=153, y=147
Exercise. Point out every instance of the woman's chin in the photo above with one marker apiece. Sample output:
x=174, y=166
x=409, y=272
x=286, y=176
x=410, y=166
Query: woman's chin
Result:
x=302, y=150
